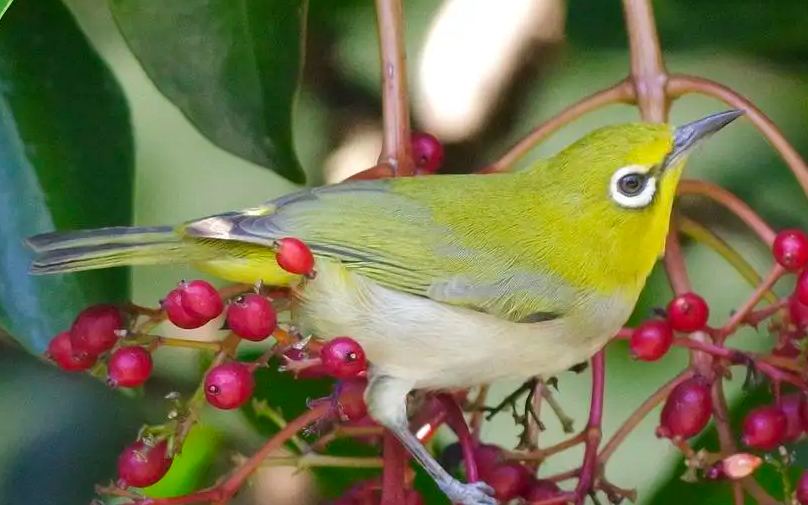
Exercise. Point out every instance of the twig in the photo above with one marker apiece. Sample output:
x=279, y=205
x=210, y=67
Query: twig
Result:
x=590, y=468
x=648, y=74
x=345, y=432
x=455, y=420
x=205, y=345
x=567, y=423
x=477, y=412
x=738, y=317
x=542, y=454
x=393, y=471
x=262, y=409
x=323, y=460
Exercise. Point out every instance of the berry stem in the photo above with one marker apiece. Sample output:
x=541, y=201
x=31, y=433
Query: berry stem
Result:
x=621, y=92
x=732, y=203
x=393, y=471
x=679, y=85
x=205, y=345
x=456, y=421
x=262, y=409
x=638, y=415
x=396, y=145
x=542, y=454
x=675, y=264
x=322, y=460
x=345, y=432
x=567, y=423
x=702, y=234
x=591, y=467
x=738, y=317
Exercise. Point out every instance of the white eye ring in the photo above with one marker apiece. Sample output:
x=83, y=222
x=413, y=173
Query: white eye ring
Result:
x=638, y=198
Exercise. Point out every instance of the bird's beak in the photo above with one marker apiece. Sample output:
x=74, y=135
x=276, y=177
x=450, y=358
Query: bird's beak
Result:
x=687, y=136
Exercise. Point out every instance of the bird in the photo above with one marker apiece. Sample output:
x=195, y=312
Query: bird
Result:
x=451, y=280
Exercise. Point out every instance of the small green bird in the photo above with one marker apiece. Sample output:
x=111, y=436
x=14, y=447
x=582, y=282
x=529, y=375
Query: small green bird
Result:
x=447, y=281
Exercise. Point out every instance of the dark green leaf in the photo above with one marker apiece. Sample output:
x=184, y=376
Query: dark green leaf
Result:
x=232, y=67
x=4, y=4
x=66, y=161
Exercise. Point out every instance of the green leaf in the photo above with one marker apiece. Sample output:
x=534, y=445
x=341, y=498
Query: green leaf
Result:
x=191, y=466
x=231, y=66
x=66, y=161
x=4, y=4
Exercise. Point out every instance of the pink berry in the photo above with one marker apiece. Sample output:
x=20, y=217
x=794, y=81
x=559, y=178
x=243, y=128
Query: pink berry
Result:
x=509, y=480
x=541, y=489
x=129, y=367
x=688, y=312
x=790, y=404
x=651, y=340
x=94, y=330
x=764, y=428
x=200, y=299
x=351, y=399
x=177, y=314
x=687, y=409
x=427, y=152
x=252, y=317
x=790, y=249
x=343, y=358
x=802, y=489
x=140, y=465
x=60, y=350
x=229, y=385
x=294, y=256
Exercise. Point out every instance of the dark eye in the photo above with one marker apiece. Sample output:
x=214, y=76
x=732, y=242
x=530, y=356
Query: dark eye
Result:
x=631, y=184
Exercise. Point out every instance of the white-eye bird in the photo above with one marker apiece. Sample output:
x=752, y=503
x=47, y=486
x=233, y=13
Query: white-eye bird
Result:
x=447, y=281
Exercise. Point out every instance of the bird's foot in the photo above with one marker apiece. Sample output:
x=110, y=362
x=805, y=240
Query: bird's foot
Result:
x=475, y=493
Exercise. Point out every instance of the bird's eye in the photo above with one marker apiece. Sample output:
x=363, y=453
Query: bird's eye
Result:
x=631, y=184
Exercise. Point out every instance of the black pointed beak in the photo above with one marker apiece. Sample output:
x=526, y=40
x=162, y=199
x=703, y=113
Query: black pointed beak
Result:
x=687, y=136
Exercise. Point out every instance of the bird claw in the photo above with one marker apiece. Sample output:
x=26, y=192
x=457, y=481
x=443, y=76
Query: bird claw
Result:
x=474, y=493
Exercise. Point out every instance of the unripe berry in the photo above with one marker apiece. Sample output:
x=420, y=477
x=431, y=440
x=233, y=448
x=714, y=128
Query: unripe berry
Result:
x=688, y=312
x=252, y=317
x=200, y=299
x=60, y=350
x=734, y=467
x=350, y=399
x=294, y=256
x=790, y=405
x=764, y=428
x=177, y=314
x=541, y=489
x=651, y=340
x=93, y=331
x=129, y=367
x=802, y=489
x=790, y=249
x=343, y=358
x=687, y=409
x=509, y=480
x=427, y=153
x=140, y=465
x=229, y=385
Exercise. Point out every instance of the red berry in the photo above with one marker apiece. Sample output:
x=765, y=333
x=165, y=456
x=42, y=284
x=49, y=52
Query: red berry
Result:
x=688, y=312
x=60, y=350
x=294, y=256
x=487, y=456
x=790, y=404
x=177, y=314
x=200, y=299
x=509, y=480
x=229, y=385
x=350, y=399
x=343, y=358
x=764, y=428
x=651, y=340
x=93, y=331
x=687, y=409
x=129, y=367
x=541, y=489
x=801, y=289
x=802, y=489
x=427, y=152
x=140, y=465
x=790, y=249
x=412, y=497
x=252, y=317
x=798, y=313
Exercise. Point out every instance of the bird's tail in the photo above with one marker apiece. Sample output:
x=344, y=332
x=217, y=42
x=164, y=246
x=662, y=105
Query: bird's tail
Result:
x=74, y=251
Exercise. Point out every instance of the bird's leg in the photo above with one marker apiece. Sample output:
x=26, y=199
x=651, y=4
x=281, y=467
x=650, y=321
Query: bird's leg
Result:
x=386, y=399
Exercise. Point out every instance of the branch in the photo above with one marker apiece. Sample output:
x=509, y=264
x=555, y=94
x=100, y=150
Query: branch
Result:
x=740, y=315
x=679, y=85
x=621, y=92
x=590, y=467
x=648, y=73
x=396, y=146
x=456, y=421
x=393, y=471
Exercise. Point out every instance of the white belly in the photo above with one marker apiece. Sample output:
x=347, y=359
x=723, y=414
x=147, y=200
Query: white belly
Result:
x=442, y=346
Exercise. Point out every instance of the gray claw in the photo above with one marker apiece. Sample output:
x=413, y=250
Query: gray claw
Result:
x=475, y=493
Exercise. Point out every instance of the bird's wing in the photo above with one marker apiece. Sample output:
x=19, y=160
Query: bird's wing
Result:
x=383, y=231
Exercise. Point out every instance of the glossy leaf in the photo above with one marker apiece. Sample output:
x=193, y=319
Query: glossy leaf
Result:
x=66, y=161
x=232, y=67
x=4, y=5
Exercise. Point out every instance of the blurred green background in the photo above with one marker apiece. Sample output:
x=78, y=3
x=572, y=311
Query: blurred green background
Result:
x=482, y=74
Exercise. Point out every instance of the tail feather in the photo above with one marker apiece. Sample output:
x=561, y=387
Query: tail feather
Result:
x=100, y=236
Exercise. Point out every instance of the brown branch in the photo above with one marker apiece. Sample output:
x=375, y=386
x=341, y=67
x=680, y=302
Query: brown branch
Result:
x=648, y=74
x=679, y=85
x=621, y=92
x=396, y=145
